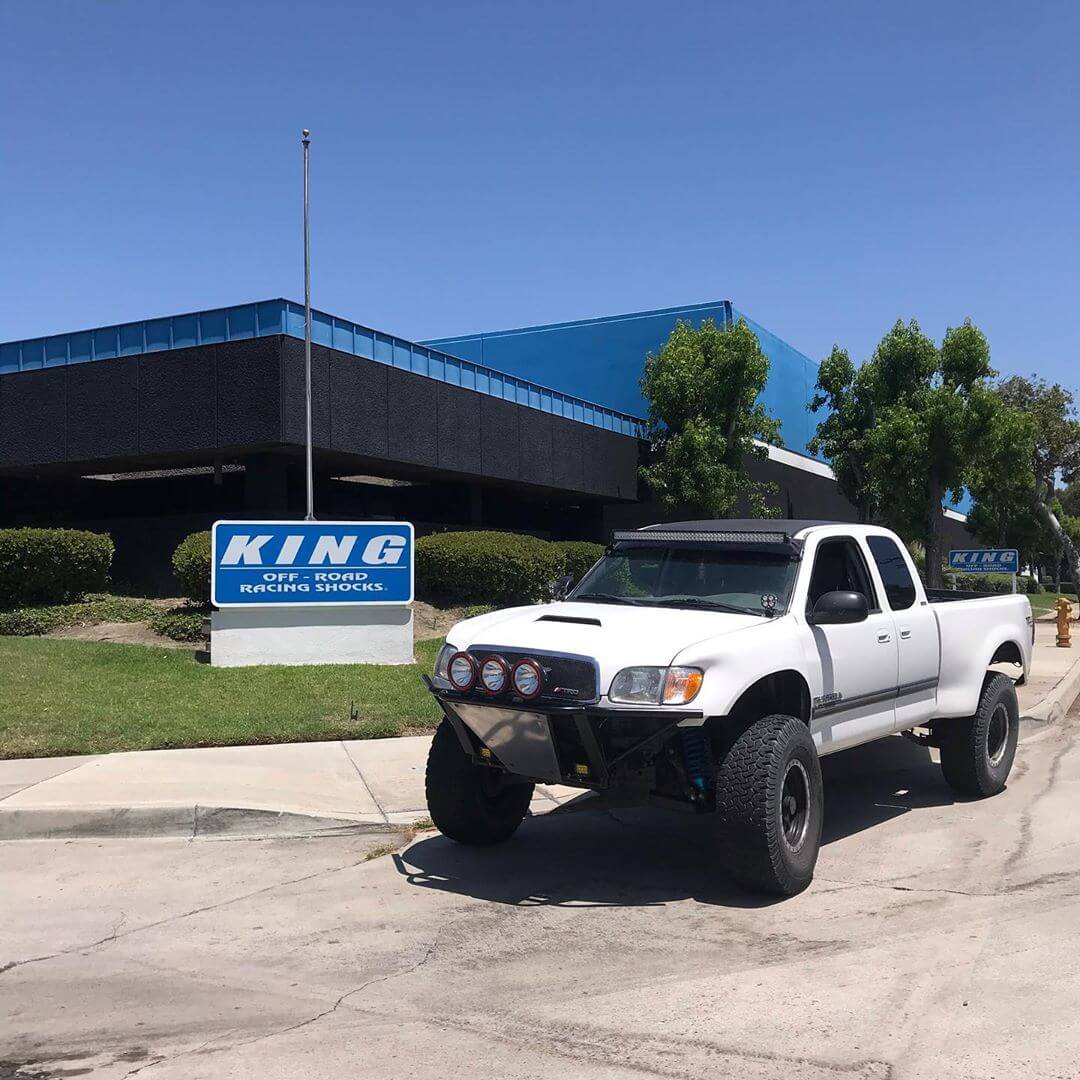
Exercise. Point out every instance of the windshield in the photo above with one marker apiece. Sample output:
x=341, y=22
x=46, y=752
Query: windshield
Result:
x=719, y=576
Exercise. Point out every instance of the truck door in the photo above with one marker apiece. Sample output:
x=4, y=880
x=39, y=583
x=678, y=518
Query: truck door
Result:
x=917, y=635
x=858, y=661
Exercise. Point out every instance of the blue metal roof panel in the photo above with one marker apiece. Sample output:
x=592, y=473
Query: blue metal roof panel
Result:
x=603, y=359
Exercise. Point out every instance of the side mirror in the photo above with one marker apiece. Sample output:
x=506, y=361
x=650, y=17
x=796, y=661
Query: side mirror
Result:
x=839, y=607
x=561, y=586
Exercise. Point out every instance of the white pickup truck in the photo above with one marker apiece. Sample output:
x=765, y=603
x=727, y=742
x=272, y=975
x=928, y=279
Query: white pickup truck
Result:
x=707, y=665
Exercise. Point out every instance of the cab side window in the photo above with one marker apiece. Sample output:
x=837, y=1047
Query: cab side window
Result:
x=899, y=588
x=839, y=567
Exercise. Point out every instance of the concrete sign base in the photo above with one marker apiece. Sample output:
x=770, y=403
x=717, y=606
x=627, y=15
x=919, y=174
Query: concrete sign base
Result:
x=242, y=637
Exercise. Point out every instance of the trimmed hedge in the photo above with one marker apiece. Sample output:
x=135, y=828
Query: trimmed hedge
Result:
x=578, y=556
x=486, y=567
x=191, y=567
x=52, y=566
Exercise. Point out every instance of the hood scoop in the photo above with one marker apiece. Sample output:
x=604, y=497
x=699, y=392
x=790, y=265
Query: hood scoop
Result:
x=578, y=619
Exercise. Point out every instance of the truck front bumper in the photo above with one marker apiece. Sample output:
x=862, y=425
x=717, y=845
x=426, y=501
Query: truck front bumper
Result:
x=584, y=746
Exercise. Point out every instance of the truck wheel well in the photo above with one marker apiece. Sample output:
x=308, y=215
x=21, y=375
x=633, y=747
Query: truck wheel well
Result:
x=1008, y=652
x=783, y=692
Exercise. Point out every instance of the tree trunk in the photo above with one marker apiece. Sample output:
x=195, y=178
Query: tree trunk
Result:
x=1049, y=519
x=935, y=495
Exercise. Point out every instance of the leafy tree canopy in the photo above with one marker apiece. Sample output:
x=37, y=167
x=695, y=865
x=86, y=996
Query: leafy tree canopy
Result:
x=906, y=428
x=703, y=388
x=1016, y=494
x=843, y=436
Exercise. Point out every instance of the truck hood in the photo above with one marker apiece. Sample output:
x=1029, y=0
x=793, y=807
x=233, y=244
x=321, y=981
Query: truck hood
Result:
x=613, y=635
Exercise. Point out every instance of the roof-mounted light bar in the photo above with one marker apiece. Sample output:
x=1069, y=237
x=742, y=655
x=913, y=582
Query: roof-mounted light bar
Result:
x=679, y=535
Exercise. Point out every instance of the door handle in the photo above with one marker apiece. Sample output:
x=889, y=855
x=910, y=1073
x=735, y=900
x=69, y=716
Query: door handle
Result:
x=905, y=632
x=884, y=637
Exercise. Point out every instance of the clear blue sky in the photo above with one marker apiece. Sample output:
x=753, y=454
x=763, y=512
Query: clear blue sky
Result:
x=828, y=166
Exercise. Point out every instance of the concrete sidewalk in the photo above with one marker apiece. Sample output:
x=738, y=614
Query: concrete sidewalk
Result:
x=313, y=787
x=305, y=786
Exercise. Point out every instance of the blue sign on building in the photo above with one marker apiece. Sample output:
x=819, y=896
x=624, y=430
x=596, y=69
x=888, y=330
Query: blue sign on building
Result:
x=311, y=563
x=985, y=561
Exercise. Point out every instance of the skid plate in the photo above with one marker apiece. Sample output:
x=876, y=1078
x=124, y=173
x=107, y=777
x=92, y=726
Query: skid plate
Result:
x=520, y=740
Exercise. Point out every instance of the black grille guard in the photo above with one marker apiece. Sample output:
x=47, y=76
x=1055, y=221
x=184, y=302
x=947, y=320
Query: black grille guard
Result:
x=603, y=767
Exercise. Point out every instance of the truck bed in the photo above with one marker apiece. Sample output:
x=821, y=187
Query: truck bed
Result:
x=971, y=626
x=945, y=596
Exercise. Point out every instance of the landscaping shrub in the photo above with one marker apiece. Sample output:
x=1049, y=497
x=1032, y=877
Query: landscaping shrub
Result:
x=51, y=566
x=578, y=556
x=486, y=567
x=471, y=611
x=191, y=567
x=24, y=622
x=1029, y=585
x=28, y=622
x=107, y=608
x=180, y=624
x=983, y=583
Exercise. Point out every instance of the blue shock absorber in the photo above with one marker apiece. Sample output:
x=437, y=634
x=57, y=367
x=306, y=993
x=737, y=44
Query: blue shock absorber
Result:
x=695, y=756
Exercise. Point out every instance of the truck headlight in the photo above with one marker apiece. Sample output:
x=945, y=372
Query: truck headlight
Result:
x=656, y=685
x=442, y=663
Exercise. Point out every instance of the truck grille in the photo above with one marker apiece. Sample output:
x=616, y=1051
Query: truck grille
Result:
x=568, y=680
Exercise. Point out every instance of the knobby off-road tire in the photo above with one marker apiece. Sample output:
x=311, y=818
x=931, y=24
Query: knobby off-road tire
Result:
x=471, y=803
x=977, y=752
x=770, y=806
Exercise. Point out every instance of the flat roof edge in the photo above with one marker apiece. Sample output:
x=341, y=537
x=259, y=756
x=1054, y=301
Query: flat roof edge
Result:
x=268, y=318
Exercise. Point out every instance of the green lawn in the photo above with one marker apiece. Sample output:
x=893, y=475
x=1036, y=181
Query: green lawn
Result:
x=80, y=697
x=1041, y=602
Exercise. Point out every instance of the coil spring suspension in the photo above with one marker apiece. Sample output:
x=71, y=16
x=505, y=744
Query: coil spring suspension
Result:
x=695, y=756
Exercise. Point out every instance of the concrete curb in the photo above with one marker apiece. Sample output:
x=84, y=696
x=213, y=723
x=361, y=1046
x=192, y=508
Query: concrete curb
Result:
x=190, y=822
x=1059, y=701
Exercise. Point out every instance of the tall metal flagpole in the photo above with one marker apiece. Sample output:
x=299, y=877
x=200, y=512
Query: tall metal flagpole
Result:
x=310, y=516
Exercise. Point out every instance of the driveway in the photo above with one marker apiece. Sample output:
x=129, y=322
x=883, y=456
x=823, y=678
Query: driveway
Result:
x=938, y=941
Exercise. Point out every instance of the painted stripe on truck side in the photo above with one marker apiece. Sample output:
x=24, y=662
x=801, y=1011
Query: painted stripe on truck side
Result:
x=845, y=704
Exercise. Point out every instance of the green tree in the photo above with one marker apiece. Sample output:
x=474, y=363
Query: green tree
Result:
x=1070, y=499
x=842, y=437
x=1001, y=484
x=907, y=426
x=704, y=415
x=1054, y=454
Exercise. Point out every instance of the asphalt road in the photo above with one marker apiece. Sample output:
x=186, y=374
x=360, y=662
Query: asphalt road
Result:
x=941, y=939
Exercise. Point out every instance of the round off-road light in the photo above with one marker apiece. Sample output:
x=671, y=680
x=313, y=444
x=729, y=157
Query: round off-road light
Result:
x=494, y=674
x=462, y=671
x=527, y=678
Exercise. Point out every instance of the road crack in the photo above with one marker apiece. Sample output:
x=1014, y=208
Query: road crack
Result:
x=427, y=956
x=116, y=935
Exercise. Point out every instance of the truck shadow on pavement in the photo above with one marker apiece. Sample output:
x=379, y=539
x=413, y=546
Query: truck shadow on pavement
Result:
x=872, y=784
x=647, y=857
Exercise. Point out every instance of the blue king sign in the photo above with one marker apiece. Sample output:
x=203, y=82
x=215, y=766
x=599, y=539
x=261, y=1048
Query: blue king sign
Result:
x=311, y=563
x=985, y=560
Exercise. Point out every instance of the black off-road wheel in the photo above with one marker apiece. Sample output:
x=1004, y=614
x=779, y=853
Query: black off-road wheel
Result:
x=977, y=752
x=770, y=806
x=473, y=804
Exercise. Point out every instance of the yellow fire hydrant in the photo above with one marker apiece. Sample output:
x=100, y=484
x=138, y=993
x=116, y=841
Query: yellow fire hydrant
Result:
x=1064, y=611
